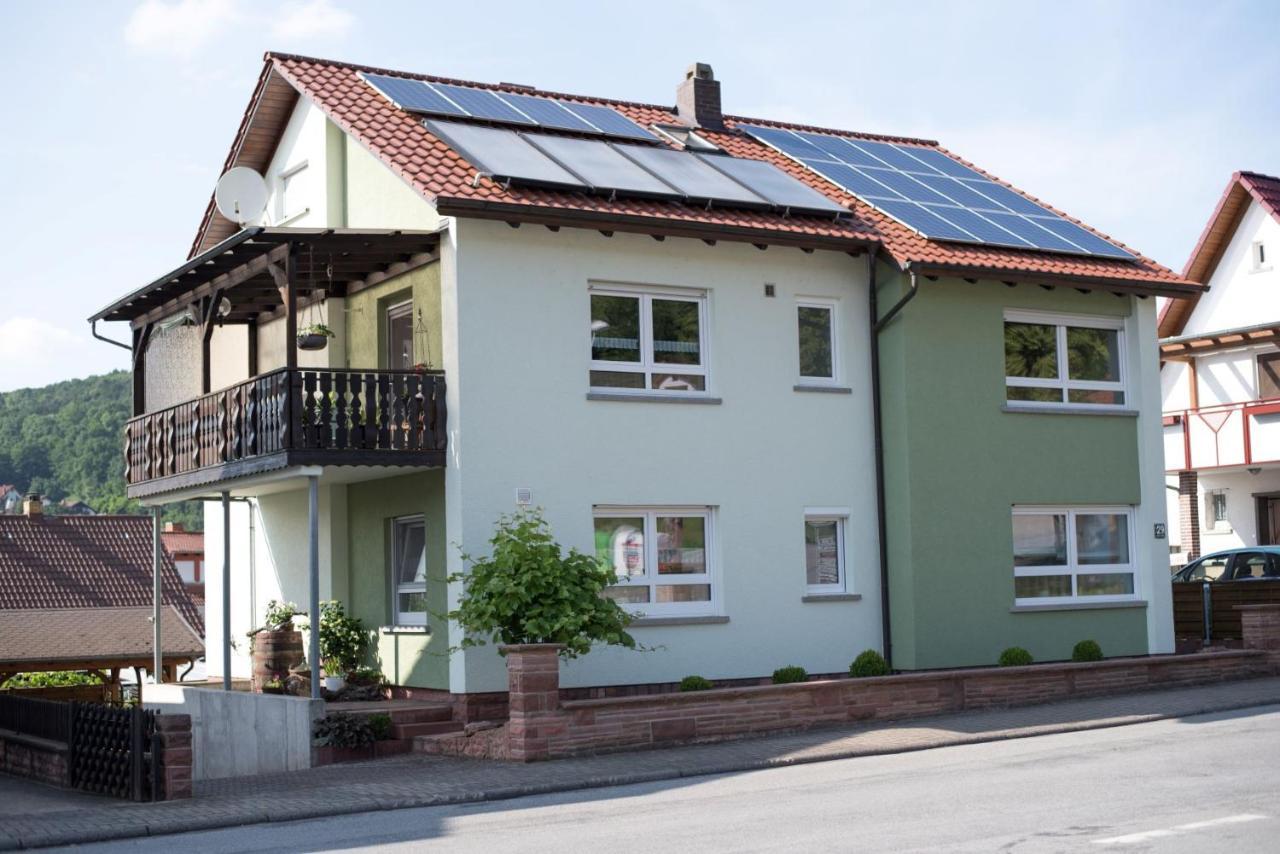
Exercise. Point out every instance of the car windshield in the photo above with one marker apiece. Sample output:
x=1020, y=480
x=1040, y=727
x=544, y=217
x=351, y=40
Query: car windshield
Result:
x=1207, y=569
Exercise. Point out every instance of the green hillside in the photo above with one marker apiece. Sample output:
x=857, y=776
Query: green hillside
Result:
x=65, y=441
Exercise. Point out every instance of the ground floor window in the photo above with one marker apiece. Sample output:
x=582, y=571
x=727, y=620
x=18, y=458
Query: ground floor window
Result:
x=662, y=556
x=1073, y=554
x=409, y=570
x=824, y=562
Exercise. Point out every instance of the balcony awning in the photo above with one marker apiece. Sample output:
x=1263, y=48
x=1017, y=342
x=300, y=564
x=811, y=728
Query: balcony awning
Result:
x=1187, y=346
x=239, y=268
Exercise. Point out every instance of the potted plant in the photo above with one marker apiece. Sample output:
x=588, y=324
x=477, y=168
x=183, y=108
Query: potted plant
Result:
x=274, y=685
x=342, y=644
x=314, y=337
x=276, y=647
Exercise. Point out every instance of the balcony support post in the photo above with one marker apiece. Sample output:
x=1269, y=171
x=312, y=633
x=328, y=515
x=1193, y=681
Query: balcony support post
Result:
x=206, y=336
x=141, y=338
x=157, y=596
x=226, y=590
x=313, y=576
x=253, y=347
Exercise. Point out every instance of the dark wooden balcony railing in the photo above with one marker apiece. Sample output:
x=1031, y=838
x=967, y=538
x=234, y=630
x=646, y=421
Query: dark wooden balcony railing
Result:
x=304, y=416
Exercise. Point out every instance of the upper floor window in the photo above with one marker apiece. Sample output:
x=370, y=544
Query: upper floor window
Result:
x=400, y=336
x=1073, y=554
x=409, y=570
x=662, y=557
x=290, y=200
x=1054, y=359
x=1259, y=256
x=648, y=339
x=817, y=329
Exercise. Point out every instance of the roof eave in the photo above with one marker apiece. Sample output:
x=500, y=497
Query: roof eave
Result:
x=1143, y=287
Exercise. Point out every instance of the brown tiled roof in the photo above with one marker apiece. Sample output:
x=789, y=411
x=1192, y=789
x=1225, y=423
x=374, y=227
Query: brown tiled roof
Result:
x=58, y=562
x=399, y=140
x=92, y=634
x=1241, y=189
x=183, y=542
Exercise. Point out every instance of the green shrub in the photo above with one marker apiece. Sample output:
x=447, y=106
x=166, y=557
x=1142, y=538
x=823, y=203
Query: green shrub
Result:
x=338, y=729
x=1087, y=650
x=529, y=591
x=1015, y=656
x=695, y=683
x=342, y=639
x=790, y=673
x=280, y=615
x=366, y=676
x=380, y=726
x=869, y=663
x=52, y=679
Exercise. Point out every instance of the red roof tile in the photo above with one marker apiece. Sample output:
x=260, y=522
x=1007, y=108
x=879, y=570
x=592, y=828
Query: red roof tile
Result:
x=183, y=542
x=399, y=140
x=58, y=562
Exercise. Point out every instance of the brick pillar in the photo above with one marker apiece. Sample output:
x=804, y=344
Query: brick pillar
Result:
x=533, y=685
x=1260, y=629
x=175, y=756
x=1189, y=514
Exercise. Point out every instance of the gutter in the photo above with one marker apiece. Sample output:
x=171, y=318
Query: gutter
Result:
x=93, y=330
x=877, y=325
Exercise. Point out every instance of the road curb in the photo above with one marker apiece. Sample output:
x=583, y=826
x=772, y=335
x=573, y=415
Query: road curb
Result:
x=178, y=823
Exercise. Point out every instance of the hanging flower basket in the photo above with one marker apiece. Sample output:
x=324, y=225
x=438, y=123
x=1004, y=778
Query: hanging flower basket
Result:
x=314, y=337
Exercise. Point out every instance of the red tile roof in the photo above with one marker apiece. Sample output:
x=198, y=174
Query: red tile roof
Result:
x=182, y=542
x=59, y=562
x=1241, y=189
x=399, y=140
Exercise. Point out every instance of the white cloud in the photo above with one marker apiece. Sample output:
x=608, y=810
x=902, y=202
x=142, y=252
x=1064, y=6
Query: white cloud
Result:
x=34, y=352
x=179, y=27
x=306, y=19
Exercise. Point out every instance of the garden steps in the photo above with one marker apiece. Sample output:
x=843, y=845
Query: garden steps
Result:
x=421, y=728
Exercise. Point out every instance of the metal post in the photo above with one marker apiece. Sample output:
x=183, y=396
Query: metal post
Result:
x=226, y=590
x=157, y=596
x=1208, y=614
x=313, y=566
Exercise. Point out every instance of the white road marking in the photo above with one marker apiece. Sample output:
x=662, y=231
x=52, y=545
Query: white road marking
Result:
x=1146, y=835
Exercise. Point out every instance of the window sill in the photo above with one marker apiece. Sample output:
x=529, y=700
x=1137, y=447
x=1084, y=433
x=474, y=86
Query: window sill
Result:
x=827, y=389
x=291, y=217
x=831, y=597
x=1068, y=410
x=652, y=397
x=678, y=621
x=405, y=630
x=1077, y=606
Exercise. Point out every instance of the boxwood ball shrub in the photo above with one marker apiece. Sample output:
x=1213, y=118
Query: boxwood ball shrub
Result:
x=1087, y=650
x=695, y=683
x=1015, y=656
x=380, y=726
x=790, y=673
x=869, y=663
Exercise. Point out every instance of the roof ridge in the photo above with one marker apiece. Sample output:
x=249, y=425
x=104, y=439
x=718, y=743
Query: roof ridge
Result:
x=455, y=81
x=879, y=137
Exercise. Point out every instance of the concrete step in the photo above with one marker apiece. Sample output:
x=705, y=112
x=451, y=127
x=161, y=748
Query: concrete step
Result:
x=412, y=730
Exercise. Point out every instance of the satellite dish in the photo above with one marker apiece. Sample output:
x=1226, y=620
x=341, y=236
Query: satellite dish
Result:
x=241, y=195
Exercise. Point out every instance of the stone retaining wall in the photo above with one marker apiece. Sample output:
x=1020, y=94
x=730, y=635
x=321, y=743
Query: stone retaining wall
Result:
x=35, y=758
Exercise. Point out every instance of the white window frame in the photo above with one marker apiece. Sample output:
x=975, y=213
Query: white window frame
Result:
x=406, y=618
x=831, y=306
x=1073, y=567
x=1258, y=262
x=1211, y=520
x=393, y=312
x=839, y=515
x=651, y=578
x=648, y=366
x=283, y=178
x=1062, y=383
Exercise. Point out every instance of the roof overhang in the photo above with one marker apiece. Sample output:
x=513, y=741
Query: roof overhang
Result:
x=1117, y=284
x=1189, y=346
x=335, y=261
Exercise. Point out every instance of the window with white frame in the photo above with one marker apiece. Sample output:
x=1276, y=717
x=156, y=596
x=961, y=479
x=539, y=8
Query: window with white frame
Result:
x=663, y=558
x=1056, y=359
x=409, y=570
x=1072, y=555
x=1259, y=256
x=816, y=321
x=290, y=200
x=1216, y=511
x=648, y=340
x=824, y=551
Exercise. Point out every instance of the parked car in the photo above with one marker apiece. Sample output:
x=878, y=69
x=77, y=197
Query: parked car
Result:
x=1244, y=564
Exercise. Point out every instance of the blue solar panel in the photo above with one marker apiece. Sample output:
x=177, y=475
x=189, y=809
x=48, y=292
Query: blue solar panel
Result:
x=608, y=120
x=482, y=104
x=413, y=95
x=923, y=221
x=981, y=228
x=852, y=180
x=933, y=193
x=546, y=112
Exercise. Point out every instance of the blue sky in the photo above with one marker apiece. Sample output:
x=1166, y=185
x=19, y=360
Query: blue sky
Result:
x=1128, y=115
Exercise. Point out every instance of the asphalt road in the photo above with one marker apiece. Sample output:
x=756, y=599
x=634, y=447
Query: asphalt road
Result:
x=1202, y=784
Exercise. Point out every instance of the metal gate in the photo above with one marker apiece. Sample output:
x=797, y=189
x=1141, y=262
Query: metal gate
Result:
x=114, y=751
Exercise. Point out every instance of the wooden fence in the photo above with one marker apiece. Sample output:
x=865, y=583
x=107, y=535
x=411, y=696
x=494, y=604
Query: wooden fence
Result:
x=1192, y=601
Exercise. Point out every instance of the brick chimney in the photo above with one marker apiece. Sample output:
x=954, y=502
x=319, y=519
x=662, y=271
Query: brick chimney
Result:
x=698, y=98
x=174, y=528
x=32, y=505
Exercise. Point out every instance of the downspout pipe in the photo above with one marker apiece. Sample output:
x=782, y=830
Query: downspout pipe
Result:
x=877, y=324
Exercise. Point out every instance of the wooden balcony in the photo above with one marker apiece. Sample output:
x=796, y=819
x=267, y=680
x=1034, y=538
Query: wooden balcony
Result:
x=1223, y=436
x=289, y=417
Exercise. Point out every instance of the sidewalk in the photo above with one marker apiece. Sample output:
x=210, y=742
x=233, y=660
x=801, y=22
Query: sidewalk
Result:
x=413, y=781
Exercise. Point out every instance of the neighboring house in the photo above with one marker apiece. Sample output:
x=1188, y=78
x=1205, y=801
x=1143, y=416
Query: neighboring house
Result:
x=669, y=345
x=76, y=594
x=187, y=550
x=10, y=498
x=1220, y=378
x=75, y=507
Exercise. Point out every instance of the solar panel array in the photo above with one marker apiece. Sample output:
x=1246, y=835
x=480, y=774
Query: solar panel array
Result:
x=934, y=194
x=595, y=165
x=446, y=99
